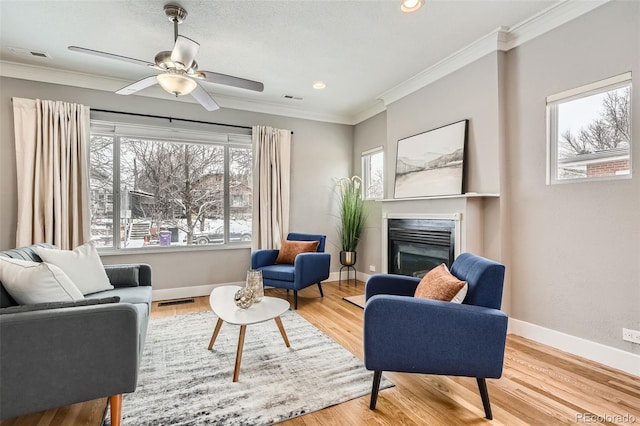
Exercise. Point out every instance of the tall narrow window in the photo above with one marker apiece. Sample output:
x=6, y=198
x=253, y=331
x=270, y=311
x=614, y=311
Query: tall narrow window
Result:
x=158, y=187
x=373, y=173
x=589, y=131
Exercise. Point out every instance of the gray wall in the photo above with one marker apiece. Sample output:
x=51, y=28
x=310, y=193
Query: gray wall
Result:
x=320, y=153
x=367, y=135
x=575, y=248
x=470, y=93
x=572, y=251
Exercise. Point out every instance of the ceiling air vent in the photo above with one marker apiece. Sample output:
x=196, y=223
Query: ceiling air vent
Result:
x=28, y=52
x=295, y=98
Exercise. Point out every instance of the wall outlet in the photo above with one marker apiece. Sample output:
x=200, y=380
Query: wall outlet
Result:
x=632, y=336
x=372, y=268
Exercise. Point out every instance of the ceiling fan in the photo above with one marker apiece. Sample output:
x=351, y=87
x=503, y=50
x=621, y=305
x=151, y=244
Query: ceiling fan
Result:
x=180, y=72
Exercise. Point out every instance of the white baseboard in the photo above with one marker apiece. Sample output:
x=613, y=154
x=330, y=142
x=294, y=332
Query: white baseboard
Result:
x=184, y=292
x=612, y=357
x=363, y=277
x=360, y=276
x=335, y=276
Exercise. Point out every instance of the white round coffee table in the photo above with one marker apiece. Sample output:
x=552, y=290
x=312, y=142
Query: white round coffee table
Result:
x=224, y=306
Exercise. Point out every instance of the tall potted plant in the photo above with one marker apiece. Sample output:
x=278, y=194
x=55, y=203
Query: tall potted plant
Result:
x=353, y=215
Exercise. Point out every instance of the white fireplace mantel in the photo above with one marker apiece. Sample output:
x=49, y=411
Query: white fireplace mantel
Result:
x=443, y=197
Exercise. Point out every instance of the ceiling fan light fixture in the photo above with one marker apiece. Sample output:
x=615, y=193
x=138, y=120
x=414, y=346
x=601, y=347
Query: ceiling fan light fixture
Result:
x=411, y=5
x=176, y=84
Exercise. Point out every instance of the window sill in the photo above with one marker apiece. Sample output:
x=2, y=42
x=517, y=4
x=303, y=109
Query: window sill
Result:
x=170, y=249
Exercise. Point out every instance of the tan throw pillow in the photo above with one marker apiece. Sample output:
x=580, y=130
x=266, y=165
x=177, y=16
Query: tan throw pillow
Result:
x=439, y=284
x=290, y=249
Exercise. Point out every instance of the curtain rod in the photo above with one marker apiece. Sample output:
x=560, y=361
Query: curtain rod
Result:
x=171, y=118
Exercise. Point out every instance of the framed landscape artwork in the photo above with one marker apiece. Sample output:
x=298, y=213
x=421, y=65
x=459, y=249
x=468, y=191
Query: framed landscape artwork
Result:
x=432, y=163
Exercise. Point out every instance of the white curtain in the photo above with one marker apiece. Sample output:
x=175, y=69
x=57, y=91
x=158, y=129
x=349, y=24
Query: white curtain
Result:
x=52, y=162
x=272, y=165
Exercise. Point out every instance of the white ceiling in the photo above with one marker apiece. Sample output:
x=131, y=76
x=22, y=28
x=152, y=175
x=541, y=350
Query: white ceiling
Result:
x=361, y=49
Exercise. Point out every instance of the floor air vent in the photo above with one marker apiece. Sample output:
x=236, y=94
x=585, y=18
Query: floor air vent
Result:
x=176, y=302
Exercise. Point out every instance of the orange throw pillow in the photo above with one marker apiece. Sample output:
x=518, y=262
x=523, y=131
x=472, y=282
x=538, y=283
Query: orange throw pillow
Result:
x=290, y=249
x=439, y=284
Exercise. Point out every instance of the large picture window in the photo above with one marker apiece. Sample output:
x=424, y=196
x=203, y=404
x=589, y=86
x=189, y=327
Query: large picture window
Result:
x=589, y=132
x=154, y=187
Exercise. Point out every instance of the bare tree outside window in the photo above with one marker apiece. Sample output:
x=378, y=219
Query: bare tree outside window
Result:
x=171, y=193
x=101, y=189
x=240, y=191
x=590, y=132
x=172, y=185
x=610, y=130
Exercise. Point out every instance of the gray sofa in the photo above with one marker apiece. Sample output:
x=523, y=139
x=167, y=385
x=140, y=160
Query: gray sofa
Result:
x=61, y=353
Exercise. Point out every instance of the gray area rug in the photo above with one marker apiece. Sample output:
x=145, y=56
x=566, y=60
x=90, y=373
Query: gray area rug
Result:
x=183, y=383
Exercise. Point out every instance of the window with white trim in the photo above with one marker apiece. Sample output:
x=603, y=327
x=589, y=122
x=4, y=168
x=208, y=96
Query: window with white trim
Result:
x=162, y=187
x=589, y=132
x=373, y=174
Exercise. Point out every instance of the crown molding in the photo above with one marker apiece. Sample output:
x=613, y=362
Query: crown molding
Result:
x=500, y=39
x=110, y=84
x=374, y=108
x=273, y=108
x=549, y=19
x=58, y=76
x=491, y=42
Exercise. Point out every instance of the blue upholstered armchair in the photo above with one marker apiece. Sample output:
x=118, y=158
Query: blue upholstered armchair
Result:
x=415, y=335
x=308, y=268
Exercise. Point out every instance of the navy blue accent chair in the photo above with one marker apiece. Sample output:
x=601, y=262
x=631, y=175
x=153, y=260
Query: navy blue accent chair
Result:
x=416, y=335
x=308, y=268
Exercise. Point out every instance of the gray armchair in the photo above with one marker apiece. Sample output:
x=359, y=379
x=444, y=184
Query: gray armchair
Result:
x=62, y=353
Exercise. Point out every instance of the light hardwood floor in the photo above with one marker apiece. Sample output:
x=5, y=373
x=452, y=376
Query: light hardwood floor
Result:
x=540, y=385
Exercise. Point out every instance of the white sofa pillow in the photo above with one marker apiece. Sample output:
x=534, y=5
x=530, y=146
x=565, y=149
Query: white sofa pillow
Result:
x=34, y=282
x=459, y=297
x=81, y=264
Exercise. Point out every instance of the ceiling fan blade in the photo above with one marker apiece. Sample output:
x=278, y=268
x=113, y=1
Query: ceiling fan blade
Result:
x=111, y=56
x=229, y=80
x=184, y=51
x=138, y=85
x=204, y=98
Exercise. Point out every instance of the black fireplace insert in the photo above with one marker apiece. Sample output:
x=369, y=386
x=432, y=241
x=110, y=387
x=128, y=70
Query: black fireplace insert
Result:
x=418, y=245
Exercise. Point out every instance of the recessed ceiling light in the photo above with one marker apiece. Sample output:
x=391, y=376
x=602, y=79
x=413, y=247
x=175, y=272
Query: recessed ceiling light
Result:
x=319, y=85
x=411, y=5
